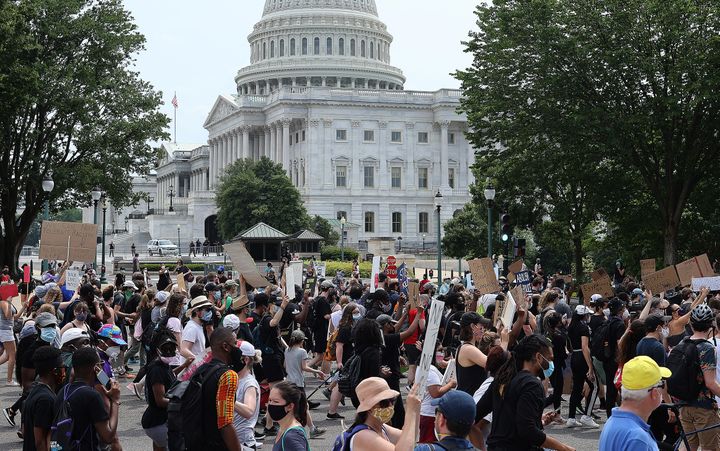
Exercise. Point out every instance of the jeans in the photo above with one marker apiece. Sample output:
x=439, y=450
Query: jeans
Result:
x=135, y=348
x=611, y=391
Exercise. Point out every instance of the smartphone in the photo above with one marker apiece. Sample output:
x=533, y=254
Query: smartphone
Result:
x=104, y=379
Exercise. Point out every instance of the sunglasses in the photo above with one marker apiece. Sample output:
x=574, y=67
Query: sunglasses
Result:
x=660, y=385
x=386, y=403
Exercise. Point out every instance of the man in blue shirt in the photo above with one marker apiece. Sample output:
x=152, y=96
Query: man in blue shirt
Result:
x=642, y=387
x=455, y=416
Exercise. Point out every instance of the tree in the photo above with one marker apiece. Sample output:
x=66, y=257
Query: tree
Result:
x=72, y=108
x=322, y=227
x=258, y=191
x=636, y=80
x=466, y=233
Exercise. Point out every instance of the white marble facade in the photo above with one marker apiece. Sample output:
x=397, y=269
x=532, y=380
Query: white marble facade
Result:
x=321, y=98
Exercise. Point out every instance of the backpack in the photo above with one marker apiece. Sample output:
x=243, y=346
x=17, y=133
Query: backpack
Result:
x=150, y=332
x=62, y=434
x=342, y=441
x=600, y=346
x=185, y=412
x=349, y=377
x=684, y=362
x=258, y=342
x=441, y=446
x=330, y=348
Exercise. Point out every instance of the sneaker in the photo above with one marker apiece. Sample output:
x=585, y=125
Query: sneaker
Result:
x=11, y=384
x=588, y=422
x=334, y=416
x=572, y=423
x=133, y=387
x=272, y=431
x=9, y=416
x=316, y=432
x=128, y=369
x=313, y=405
x=326, y=393
x=259, y=435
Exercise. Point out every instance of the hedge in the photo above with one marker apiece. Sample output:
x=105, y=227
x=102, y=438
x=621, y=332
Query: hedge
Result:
x=330, y=253
x=331, y=267
x=194, y=267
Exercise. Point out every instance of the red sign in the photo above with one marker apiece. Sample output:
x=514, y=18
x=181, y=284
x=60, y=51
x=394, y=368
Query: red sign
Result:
x=8, y=291
x=391, y=272
x=26, y=274
x=391, y=260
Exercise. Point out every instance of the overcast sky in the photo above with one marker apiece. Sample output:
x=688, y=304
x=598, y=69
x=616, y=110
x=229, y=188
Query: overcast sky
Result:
x=196, y=48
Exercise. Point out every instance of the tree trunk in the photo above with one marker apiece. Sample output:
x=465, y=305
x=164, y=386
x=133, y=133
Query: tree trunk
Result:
x=578, y=254
x=671, y=242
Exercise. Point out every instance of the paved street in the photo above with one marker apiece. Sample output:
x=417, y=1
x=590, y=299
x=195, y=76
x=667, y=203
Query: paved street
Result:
x=133, y=438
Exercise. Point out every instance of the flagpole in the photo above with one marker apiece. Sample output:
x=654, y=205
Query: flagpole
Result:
x=175, y=119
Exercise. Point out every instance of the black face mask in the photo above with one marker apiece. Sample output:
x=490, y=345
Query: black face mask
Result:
x=237, y=362
x=276, y=412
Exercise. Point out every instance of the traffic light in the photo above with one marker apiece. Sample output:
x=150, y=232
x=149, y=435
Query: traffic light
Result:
x=519, y=247
x=505, y=227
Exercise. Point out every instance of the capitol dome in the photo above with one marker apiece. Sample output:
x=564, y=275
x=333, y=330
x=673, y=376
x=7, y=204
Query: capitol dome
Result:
x=334, y=43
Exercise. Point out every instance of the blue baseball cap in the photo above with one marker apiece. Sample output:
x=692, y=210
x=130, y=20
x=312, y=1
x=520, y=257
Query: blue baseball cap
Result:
x=457, y=406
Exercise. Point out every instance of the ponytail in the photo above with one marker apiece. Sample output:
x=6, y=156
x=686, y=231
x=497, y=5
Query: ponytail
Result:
x=291, y=393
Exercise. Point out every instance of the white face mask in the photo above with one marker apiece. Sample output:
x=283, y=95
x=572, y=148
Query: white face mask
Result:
x=625, y=314
x=606, y=312
x=113, y=352
x=664, y=332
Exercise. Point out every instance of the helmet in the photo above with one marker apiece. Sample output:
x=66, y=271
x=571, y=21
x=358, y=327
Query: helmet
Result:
x=701, y=314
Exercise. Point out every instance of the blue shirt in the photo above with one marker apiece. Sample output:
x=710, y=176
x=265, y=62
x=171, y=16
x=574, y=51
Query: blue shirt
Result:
x=652, y=348
x=450, y=441
x=625, y=430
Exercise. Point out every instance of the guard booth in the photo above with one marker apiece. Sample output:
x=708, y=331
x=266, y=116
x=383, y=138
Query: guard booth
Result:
x=264, y=243
x=305, y=244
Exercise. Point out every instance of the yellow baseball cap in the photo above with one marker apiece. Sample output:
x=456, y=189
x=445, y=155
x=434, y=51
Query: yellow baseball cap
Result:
x=642, y=372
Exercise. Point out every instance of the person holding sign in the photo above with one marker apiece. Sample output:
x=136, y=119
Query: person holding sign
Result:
x=681, y=318
x=471, y=360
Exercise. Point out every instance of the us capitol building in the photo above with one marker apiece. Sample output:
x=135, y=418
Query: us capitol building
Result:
x=321, y=97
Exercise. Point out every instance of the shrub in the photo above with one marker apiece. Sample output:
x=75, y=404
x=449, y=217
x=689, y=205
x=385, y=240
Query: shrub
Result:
x=331, y=267
x=334, y=252
x=197, y=268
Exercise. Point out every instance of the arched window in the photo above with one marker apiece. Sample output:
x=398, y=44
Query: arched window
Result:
x=352, y=47
x=341, y=46
x=372, y=50
x=272, y=49
x=304, y=46
x=282, y=47
x=264, y=50
x=329, y=49
x=362, y=48
x=292, y=47
x=316, y=46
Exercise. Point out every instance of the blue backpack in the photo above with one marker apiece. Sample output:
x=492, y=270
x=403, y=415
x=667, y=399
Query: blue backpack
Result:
x=342, y=442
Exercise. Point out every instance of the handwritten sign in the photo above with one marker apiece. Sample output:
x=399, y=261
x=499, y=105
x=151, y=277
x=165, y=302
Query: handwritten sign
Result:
x=181, y=282
x=73, y=276
x=403, y=279
x=428, y=350
x=320, y=269
x=523, y=279
x=483, y=275
x=508, y=311
x=244, y=264
x=599, y=274
x=602, y=286
x=663, y=280
x=413, y=291
x=55, y=236
x=518, y=295
x=705, y=267
x=450, y=372
x=514, y=268
x=687, y=270
x=713, y=283
x=647, y=266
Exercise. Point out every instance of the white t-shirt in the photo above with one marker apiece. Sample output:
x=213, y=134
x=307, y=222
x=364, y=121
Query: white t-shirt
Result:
x=476, y=397
x=434, y=377
x=335, y=318
x=193, y=333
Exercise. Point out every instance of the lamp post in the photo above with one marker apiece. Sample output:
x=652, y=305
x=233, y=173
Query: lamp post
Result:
x=423, y=245
x=96, y=194
x=343, y=221
x=171, y=194
x=102, y=262
x=150, y=200
x=399, y=243
x=126, y=223
x=490, y=198
x=438, y=205
x=178, y=229
x=47, y=185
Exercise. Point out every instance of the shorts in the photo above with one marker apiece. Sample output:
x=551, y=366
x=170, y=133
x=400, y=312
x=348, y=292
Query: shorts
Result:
x=6, y=335
x=412, y=353
x=320, y=344
x=694, y=418
x=273, y=368
x=159, y=435
x=599, y=371
x=427, y=430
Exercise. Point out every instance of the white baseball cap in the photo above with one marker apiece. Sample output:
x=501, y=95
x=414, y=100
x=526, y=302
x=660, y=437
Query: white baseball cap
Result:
x=231, y=321
x=73, y=334
x=248, y=350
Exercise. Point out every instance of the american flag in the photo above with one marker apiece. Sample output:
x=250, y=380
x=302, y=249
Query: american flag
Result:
x=175, y=101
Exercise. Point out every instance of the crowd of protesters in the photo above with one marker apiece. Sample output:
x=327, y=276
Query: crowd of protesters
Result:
x=239, y=357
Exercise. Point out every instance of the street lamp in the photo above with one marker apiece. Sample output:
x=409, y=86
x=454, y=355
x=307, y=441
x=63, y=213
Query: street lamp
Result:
x=438, y=204
x=102, y=262
x=399, y=243
x=47, y=185
x=171, y=194
x=178, y=228
x=96, y=194
x=423, y=248
x=490, y=198
x=126, y=223
x=342, y=238
x=150, y=200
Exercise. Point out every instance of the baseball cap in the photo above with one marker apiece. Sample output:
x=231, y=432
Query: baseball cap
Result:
x=642, y=372
x=653, y=321
x=297, y=335
x=247, y=349
x=231, y=321
x=112, y=332
x=582, y=310
x=130, y=284
x=162, y=296
x=638, y=291
x=458, y=406
x=73, y=334
x=45, y=319
x=327, y=284
x=229, y=284
x=385, y=319
x=473, y=318
x=616, y=304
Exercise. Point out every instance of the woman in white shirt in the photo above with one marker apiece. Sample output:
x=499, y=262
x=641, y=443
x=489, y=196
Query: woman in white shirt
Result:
x=496, y=357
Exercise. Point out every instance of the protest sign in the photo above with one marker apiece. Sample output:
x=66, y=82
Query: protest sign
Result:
x=320, y=270
x=599, y=274
x=450, y=372
x=26, y=273
x=602, y=286
x=297, y=267
x=519, y=296
x=469, y=282
x=483, y=275
x=687, y=270
x=705, y=267
x=73, y=276
x=508, y=311
x=244, y=264
x=413, y=291
x=181, y=282
x=499, y=307
x=289, y=276
x=8, y=291
x=647, y=266
x=522, y=279
x=712, y=283
x=428, y=349
x=663, y=280
x=374, y=274
x=73, y=241
x=514, y=268
x=403, y=279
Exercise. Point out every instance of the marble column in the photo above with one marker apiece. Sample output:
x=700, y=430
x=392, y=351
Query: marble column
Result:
x=246, y=142
x=273, y=142
x=444, y=156
x=211, y=156
x=286, y=145
x=266, y=152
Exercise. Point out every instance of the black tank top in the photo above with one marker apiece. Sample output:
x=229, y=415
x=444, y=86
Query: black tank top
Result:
x=469, y=378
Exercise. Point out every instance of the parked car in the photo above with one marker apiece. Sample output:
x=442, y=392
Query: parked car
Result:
x=161, y=247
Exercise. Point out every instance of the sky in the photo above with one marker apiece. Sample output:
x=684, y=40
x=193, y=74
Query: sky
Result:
x=195, y=48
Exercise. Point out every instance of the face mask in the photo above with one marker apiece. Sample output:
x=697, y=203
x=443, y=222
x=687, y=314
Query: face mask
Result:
x=207, y=316
x=167, y=360
x=48, y=334
x=237, y=362
x=664, y=332
x=276, y=412
x=439, y=357
x=113, y=352
x=385, y=307
x=547, y=372
x=357, y=317
x=218, y=295
x=606, y=312
x=625, y=314
x=81, y=316
x=384, y=414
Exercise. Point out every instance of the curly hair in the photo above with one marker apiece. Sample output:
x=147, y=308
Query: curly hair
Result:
x=524, y=351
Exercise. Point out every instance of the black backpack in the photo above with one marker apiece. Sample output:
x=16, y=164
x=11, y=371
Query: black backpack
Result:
x=185, y=412
x=349, y=377
x=600, y=346
x=62, y=433
x=684, y=362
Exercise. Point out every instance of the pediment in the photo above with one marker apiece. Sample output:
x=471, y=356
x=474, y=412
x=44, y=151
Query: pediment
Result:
x=224, y=106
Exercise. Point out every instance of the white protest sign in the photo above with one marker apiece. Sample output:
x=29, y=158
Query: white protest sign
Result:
x=428, y=350
x=290, y=283
x=374, y=274
x=469, y=281
x=450, y=372
x=296, y=266
x=509, y=311
x=73, y=276
x=712, y=283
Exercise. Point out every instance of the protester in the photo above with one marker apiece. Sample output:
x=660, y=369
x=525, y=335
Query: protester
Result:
x=554, y=331
x=615, y=331
x=411, y=351
x=582, y=368
x=496, y=358
x=193, y=335
x=296, y=362
x=344, y=348
x=642, y=386
x=8, y=314
x=287, y=406
x=272, y=355
x=453, y=419
x=38, y=408
x=469, y=359
x=247, y=401
x=434, y=389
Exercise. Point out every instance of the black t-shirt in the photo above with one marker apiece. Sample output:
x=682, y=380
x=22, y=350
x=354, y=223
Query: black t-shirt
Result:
x=244, y=333
x=28, y=355
x=37, y=412
x=595, y=322
x=269, y=335
x=87, y=408
x=130, y=306
x=391, y=354
x=157, y=373
x=344, y=336
x=320, y=325
x=576, y=331
x=256, y=320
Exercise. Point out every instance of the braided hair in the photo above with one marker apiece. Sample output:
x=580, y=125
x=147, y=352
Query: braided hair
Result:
x=524, y=351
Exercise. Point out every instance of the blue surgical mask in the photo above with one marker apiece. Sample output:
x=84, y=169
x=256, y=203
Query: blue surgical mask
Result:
x=207, y=316
x=47, y=334
x=357, y=317
x=218, y=294
x=547, y=372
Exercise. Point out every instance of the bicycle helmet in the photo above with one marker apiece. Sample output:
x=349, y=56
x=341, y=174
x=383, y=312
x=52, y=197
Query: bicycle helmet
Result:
x=702, y=314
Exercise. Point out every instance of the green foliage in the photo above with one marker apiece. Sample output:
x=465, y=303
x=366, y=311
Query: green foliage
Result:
x=466, y=233
x=70, y=215
x=334, y=252
x=322, y=227
x=258, y=191
x=331, y=268
x=71, y=106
